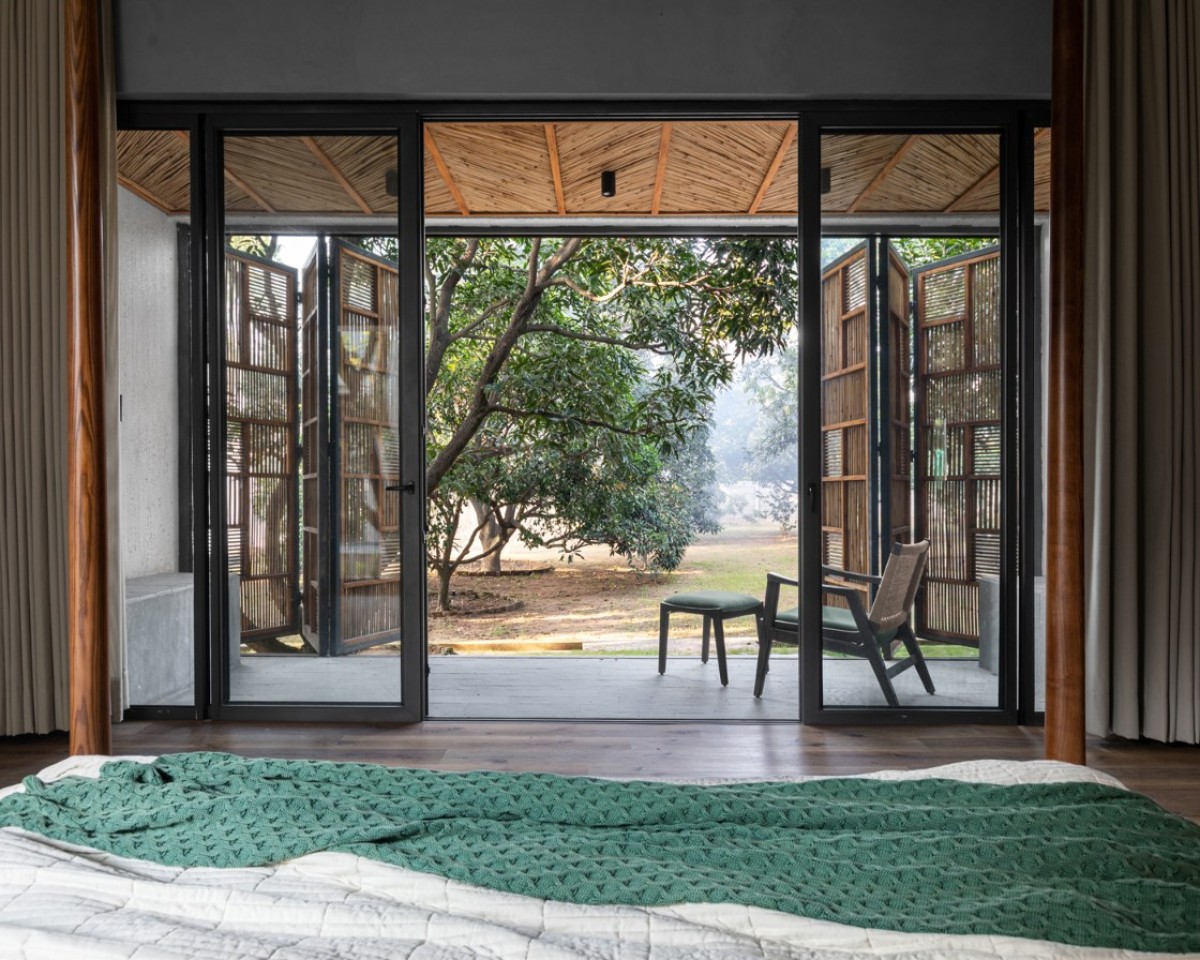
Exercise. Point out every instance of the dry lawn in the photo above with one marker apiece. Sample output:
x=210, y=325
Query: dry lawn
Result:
x=611, y=609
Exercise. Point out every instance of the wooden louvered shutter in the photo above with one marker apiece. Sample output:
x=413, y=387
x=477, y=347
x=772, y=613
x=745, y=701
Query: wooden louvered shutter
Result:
x=958, y=442
x=261, y=441
x=845, y=402
x=365, y=359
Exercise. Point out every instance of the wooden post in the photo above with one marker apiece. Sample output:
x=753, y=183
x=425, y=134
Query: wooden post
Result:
x=87, y=613
x=1065, y=739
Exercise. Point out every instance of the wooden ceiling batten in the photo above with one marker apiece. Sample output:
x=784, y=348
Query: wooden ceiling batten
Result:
x=882, y=175
x=660, y=169
x=444, y=171
x=555, y=169
x=325, y=161
x=785, y=144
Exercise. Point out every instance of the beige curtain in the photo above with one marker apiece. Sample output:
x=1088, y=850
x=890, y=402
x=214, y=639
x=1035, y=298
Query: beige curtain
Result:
x=1142, y=428
x=33, y=647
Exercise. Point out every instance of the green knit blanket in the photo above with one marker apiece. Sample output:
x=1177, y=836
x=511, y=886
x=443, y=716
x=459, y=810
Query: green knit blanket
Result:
x=1075, y=863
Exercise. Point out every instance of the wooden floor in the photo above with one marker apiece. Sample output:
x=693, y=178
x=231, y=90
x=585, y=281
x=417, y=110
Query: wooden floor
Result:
x=1169, y=774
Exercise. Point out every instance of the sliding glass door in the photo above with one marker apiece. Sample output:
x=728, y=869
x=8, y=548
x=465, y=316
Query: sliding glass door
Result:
x=314, y=452
x=909, y=587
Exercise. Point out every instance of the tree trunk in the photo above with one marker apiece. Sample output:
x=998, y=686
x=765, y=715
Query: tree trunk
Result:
x=445, y=574
x=491, y=538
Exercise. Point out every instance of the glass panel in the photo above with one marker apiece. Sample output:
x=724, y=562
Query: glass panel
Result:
x=311, y=405
x=911, y=390
x=158, y=653
x=1038, y=411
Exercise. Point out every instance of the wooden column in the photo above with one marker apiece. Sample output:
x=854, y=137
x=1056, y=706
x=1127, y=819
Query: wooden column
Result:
x=1065, y=738
x=87, y=601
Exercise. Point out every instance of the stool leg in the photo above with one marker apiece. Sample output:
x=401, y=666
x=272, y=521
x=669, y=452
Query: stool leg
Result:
x=719, y=630
x=704, y=648
x=664, y=620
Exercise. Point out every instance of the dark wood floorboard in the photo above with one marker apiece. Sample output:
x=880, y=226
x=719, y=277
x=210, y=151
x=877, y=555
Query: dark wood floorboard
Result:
x=1169, y=774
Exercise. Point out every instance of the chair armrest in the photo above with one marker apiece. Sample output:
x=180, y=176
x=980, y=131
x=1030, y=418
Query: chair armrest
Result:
x=853, y=596
x=771, y=601
x=851, y=575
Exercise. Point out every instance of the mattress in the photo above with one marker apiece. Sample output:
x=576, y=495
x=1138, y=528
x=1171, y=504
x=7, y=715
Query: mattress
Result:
x=63, y=902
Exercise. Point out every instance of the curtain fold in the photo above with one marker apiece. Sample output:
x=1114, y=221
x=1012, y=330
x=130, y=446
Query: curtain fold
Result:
x=1142, y=361
x=33, y=642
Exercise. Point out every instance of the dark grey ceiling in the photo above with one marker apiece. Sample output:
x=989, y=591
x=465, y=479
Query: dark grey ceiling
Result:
x=516, y=49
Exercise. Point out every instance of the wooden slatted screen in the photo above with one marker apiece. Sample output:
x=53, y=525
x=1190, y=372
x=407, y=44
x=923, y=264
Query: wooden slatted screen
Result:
x=845, y=437
x=958, y=440
x=313, y=413
x=898, y=385
x=261, y=440
x=366, y=367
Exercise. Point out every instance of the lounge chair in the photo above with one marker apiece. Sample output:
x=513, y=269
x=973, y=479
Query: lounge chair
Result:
x=853, y=630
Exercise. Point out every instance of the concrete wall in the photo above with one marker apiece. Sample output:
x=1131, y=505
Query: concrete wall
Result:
x=571, y=48
x=149, y=425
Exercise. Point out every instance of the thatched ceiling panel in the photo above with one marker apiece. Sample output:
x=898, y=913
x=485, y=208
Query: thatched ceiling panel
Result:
x=364, y=162
x=712, y=167
x=285, y=173
x=587, y=149
x=717, y=167
x=854, y=160
x=1041, y=170
x=155, y=165
x=499, y=167
x=935, y=172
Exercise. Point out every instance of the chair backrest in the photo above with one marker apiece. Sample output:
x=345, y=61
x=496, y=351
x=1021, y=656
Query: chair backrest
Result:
x=898, y=588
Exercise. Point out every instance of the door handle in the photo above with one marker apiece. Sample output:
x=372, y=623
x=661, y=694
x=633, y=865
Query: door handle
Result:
x=409, y=486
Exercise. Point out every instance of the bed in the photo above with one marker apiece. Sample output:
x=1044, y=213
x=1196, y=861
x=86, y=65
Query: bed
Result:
x=65, y=900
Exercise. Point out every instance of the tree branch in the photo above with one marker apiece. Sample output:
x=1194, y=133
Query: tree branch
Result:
x=567, y=418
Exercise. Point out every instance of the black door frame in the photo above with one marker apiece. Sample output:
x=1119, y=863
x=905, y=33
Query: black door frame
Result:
x=1014, y=120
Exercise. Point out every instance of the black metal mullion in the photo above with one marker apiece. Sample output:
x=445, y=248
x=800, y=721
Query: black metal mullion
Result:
x=201, y=512
x=411, y=416
x=329, y=299
x=214, y=458
x=882, y=409
x=809, y=406
x=1029, y=408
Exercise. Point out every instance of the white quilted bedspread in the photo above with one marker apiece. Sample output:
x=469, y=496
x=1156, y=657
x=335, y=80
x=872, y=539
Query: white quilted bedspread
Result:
x=60, y=902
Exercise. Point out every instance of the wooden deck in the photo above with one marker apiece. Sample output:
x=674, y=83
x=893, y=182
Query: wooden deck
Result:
x=598, y=688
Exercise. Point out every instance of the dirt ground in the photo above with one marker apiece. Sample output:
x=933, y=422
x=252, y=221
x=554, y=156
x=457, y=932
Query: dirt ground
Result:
x=606, y=607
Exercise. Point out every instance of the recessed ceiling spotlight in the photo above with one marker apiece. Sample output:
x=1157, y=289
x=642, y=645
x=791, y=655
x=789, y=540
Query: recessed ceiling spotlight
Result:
x=608, y=183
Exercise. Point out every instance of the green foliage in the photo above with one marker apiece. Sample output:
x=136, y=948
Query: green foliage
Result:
x=772, y=444
x=921, y=251
x=569, y=384
x=257, y=246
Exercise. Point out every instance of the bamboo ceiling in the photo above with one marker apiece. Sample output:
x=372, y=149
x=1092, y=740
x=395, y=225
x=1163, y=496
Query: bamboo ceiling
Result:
x=742, y=169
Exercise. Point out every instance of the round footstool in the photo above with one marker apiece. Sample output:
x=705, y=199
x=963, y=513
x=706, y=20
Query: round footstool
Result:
x=715, y=606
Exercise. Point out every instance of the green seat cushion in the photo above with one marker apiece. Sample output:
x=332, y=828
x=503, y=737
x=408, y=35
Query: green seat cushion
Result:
x=832, y=618
x=835, y=618
x=705, y=601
